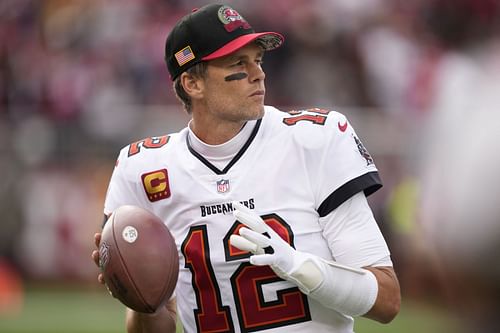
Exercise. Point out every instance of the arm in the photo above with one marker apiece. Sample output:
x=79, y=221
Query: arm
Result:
x=353, y=226
x=164, y=320
x=388, y=299
x=348, y=290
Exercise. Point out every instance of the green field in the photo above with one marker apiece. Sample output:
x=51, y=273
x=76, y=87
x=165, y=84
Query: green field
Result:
x=70, y=310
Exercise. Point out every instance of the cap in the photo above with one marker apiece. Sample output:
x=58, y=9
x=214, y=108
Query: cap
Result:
x=211, y=32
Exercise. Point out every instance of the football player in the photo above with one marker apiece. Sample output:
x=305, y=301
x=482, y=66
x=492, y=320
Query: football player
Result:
x=268, y=208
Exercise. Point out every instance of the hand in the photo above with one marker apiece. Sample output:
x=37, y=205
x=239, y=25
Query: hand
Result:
x=95, y=256
x=284, y=260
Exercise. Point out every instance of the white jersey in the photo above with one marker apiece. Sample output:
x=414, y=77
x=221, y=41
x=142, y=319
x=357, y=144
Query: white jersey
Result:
x=295, y=168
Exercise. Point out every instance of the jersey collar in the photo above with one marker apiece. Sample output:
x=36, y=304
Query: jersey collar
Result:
x=212, y=149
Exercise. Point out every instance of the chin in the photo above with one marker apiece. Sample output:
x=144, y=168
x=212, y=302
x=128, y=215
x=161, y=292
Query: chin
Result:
x=249, y=112
x=259, y=112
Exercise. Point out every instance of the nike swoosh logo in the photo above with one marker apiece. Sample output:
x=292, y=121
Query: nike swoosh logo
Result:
x=343, y=127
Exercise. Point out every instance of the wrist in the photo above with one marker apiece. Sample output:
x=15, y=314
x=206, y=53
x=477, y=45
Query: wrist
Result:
x=350, y=291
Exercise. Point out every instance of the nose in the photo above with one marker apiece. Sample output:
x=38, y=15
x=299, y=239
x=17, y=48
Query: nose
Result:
x=256, y=73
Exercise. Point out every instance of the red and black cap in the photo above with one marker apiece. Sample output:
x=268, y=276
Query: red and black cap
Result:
x=211, y=32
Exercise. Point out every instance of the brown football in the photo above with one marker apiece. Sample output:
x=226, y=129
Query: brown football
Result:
x=138, y=258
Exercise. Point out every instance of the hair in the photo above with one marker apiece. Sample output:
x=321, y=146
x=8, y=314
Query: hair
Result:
x=200, y=71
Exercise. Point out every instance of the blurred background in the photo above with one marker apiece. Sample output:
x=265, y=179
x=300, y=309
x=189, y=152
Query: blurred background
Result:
x=419, y=80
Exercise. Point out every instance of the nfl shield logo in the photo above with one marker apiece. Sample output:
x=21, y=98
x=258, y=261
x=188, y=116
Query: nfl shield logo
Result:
x=223, y=186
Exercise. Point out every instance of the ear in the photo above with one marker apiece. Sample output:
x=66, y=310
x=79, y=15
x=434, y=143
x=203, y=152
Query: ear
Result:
x=193, y=85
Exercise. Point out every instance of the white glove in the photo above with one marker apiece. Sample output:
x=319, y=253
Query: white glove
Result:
x=348, y=290
x=284, y=261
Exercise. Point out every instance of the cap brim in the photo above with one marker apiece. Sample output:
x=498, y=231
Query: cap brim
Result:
x=268, y=40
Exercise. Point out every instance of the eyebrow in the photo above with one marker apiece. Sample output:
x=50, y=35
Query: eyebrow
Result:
x=233, y=57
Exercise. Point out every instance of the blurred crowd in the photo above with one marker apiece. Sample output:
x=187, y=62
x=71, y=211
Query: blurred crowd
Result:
x=79, y=79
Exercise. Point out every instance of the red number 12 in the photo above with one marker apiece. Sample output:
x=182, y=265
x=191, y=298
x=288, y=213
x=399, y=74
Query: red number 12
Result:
x=254, y=313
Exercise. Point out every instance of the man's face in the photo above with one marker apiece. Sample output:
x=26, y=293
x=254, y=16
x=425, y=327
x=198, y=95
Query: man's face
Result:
x=234, y=86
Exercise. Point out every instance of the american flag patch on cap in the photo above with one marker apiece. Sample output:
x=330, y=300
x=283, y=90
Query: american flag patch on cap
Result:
x=184, y=56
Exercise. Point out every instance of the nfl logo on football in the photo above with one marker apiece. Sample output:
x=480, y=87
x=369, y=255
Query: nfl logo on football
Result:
x=223, y=186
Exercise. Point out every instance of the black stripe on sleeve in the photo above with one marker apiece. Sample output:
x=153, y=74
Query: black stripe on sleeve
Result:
x=369, y=183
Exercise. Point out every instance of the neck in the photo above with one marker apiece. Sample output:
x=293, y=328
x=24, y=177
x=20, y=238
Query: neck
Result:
x=215, y=132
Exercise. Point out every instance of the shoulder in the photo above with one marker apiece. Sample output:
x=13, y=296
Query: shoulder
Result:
x=309, y=118
x=313, y=125
x=149, y=150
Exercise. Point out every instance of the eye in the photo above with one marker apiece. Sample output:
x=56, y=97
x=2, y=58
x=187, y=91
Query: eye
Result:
x=238, y=63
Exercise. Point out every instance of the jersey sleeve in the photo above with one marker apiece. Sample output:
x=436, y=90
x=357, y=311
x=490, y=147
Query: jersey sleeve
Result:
x=353, y=235
x=346, y=167
x=122, y=187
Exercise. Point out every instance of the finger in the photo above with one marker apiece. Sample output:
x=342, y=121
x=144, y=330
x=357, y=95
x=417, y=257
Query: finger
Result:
x=245, y=245
x=249, y=218
x=97, y=238
x=100, y=278
x=254, y=237
x=95, y=257
x=242, y=243
x=262, y=259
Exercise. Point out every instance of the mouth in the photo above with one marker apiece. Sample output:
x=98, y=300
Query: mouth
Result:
x=258, y=93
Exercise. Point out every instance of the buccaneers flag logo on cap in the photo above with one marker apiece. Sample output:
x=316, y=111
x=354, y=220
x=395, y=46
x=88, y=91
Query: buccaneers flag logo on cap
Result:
x=231, y=19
